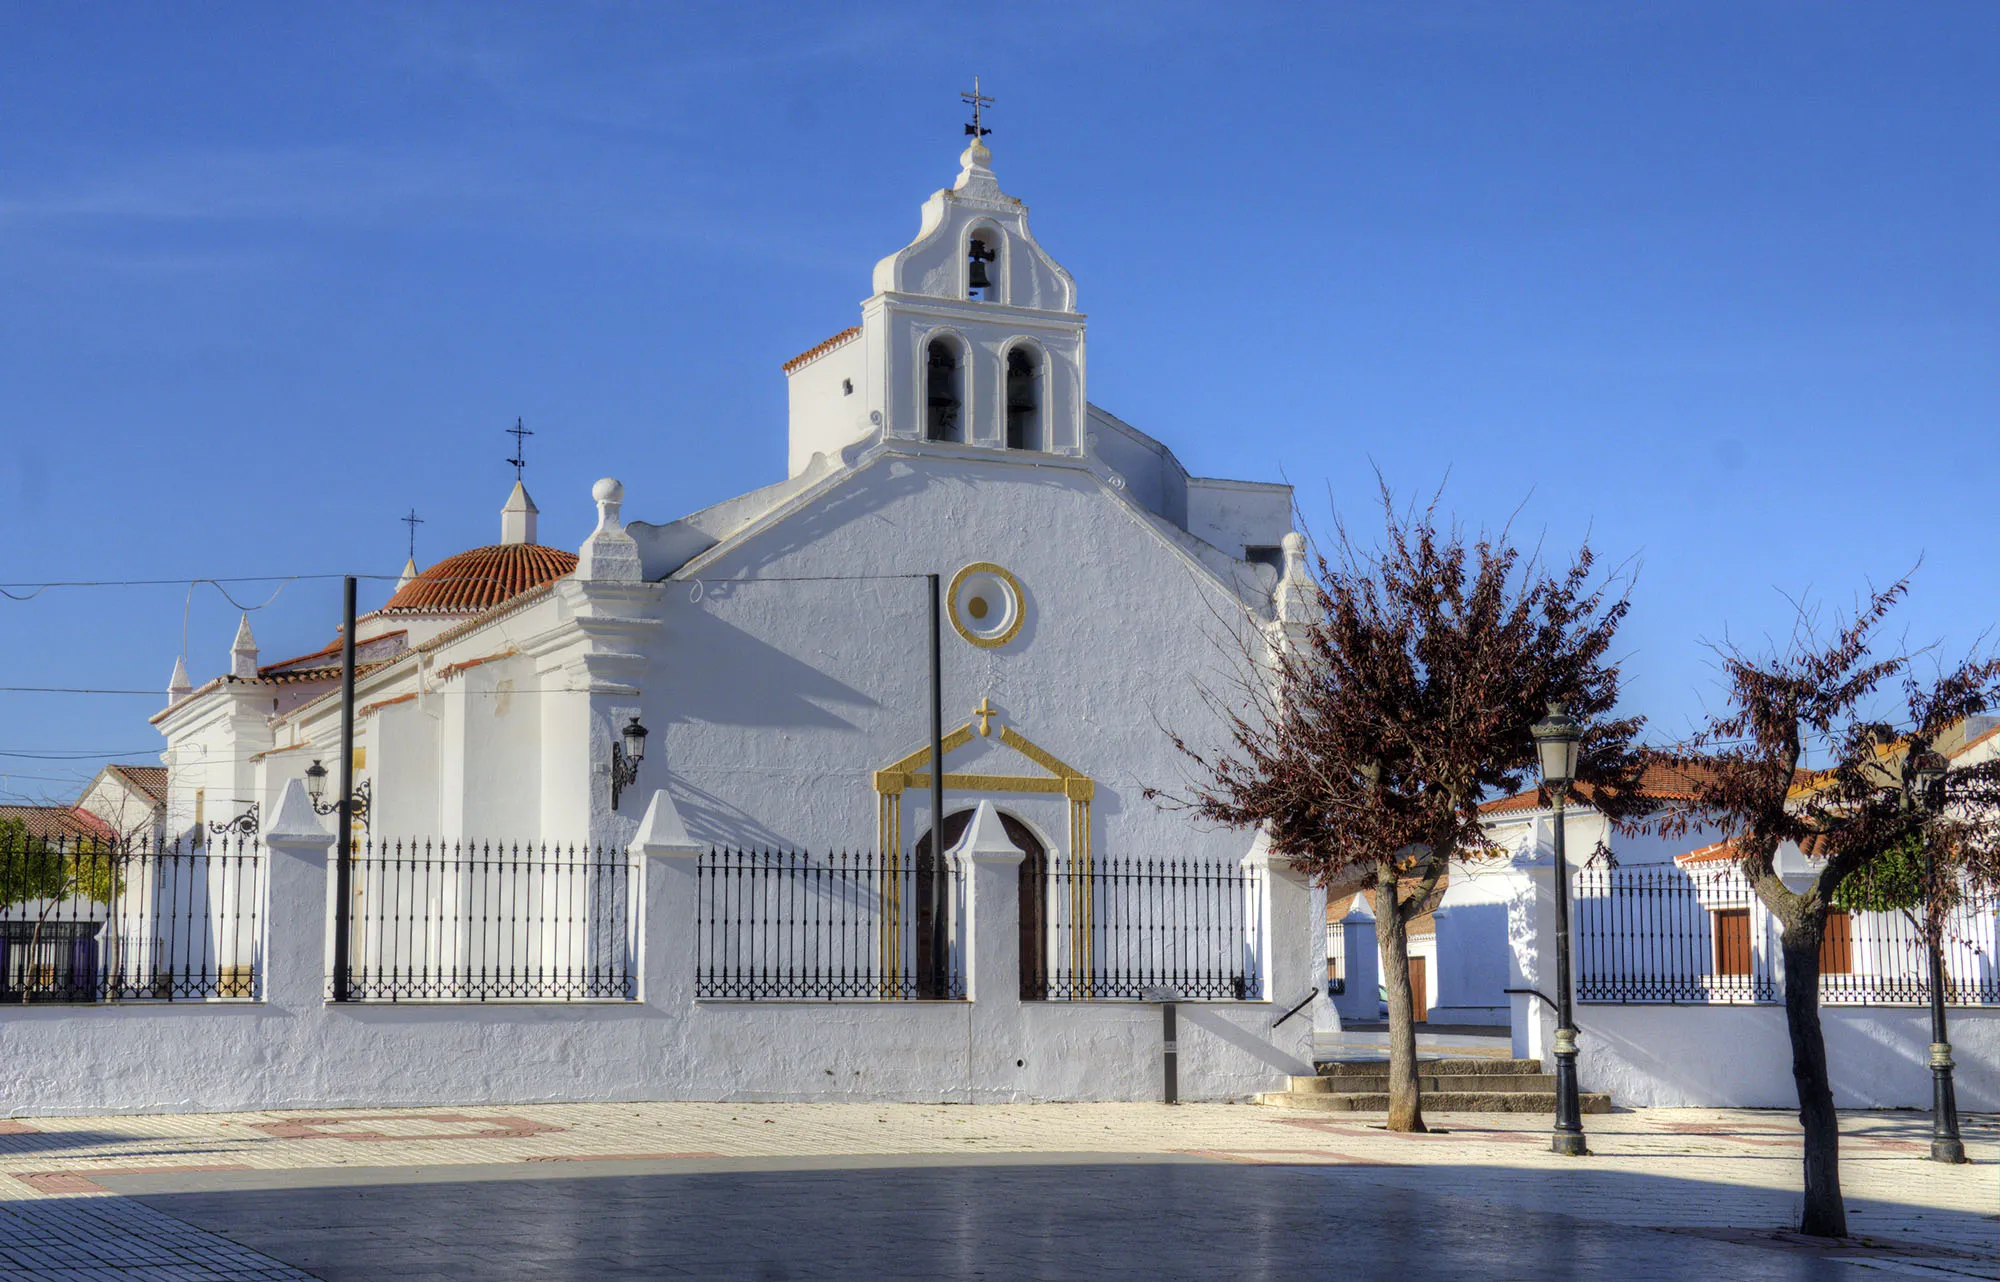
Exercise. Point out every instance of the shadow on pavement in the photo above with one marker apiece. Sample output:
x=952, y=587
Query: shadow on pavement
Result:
x=948, y=1216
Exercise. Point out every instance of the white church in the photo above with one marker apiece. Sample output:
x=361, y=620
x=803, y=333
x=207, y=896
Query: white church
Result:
x=775, y=645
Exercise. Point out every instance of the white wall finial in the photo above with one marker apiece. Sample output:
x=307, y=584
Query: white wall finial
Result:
x=295, y=817
x=517, y=519
x=986, y=838
x=178, y=685
x=243, y=651
x=609, y=554
x=1293, y=600
x=662, y=831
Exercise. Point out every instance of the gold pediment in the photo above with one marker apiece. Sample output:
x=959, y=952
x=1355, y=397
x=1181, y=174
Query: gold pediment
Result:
x=912, y=771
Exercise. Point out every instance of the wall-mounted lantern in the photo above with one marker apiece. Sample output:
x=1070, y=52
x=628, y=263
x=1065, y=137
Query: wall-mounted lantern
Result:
x=627, y=751
x=316, y=789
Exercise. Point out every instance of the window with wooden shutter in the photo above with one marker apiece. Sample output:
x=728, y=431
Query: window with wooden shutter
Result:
x=1732, y=941
x=1836, y=947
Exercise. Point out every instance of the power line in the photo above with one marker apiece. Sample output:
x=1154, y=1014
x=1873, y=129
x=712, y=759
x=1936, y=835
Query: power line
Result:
x=70, y=690
x=76, y=754
x=394, y=578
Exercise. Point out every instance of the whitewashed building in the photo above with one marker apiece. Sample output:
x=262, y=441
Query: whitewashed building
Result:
x=775, y=646
x=775, y=643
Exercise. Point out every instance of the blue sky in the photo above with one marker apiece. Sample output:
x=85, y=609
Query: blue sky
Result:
x=1715, y=284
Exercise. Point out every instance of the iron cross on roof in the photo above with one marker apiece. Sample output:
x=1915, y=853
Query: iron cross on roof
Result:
x=413, y=521
x=976, y=100
x=520, y=459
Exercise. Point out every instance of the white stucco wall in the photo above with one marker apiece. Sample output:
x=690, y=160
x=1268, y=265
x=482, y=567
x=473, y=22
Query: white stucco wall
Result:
x=1741, y=1056
x=776, y=702
x=1727, y=1056
x=294, y=1049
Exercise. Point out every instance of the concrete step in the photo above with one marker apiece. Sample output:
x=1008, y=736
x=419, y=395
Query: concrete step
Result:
x=1430, y=1083
x=1441, y=1102
x=1463, y=1065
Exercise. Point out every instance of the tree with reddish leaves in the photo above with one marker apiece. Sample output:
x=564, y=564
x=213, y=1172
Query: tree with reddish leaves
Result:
x=1400, y=696
x=1800, y=757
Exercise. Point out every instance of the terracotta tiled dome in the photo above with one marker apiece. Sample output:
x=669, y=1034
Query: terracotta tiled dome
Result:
x=480, y=579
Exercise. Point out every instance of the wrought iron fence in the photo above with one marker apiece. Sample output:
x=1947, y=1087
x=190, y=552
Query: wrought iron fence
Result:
x=1120, y=927
x=786, y=925
x=1673, y=935
x=87, y=919
x=486, y=921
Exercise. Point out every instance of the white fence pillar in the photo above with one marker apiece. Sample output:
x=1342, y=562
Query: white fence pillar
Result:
x=297, y=928
x=990, y=863
x=665, y=885
x=1531, y=940
x=1291, y=948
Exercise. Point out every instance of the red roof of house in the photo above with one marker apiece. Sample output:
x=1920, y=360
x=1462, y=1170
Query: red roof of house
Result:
x=480, y=579
x=1719, y=852
x=151, y=780
x=45, y=823
x=820, y=349
x=1667, y=783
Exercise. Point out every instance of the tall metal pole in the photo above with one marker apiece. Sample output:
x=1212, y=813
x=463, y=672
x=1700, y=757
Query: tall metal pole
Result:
x=1568, y=1137
x=1946, y=1146
x=940, y=886
x=343, y=891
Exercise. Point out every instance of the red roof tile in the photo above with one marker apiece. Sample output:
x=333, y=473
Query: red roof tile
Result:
x=46, y=823
x=818, y=350
x=151, y=780
x=480, y=579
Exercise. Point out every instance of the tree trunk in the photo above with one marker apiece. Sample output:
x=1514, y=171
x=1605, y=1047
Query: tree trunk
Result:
x=1392, y=946
x=1825, y=1213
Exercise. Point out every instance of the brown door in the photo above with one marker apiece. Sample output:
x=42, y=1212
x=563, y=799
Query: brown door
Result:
x=1836, y=947
x=1420, y=998
x=1034, y=883
x=929, y=981
x=1732, y=941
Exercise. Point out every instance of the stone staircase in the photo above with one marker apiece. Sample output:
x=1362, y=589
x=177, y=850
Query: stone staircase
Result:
x=1448, y=1086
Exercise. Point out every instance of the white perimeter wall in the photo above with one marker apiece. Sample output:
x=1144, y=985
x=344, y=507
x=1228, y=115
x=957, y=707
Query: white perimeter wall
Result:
x=294, y=1049
x=1741, y=1056
x=1722, y=1056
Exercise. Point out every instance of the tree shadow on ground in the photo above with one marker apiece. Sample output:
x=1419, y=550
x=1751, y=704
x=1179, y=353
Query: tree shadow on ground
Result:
x=1026, y=1215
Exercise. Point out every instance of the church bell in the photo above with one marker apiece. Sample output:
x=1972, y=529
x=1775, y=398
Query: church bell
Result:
x=979, y=279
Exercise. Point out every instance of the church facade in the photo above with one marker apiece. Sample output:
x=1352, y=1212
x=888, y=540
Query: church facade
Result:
x=776, y=645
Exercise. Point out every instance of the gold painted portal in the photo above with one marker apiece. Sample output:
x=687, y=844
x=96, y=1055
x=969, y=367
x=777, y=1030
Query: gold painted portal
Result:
x=913, y=773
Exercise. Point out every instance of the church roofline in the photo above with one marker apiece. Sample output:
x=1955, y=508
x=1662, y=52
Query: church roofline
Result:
x=881, y=448
x=821, y=348
x=387, y=667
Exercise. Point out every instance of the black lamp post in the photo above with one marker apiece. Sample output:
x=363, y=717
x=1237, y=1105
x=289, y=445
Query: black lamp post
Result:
x=1923, y=785
x=627, y=751
x=1556, y=740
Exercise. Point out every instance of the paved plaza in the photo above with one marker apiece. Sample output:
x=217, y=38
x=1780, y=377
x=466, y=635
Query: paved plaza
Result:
x=1077, y=1190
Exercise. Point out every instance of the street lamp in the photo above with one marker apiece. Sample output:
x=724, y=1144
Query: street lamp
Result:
x=627, y=751
x=1923, y=784
x=1556, y=740
x=316, y=790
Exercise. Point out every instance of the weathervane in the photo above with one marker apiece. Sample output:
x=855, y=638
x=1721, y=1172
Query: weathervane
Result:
x=520, y=456
x=413, y=521
x=976, y=100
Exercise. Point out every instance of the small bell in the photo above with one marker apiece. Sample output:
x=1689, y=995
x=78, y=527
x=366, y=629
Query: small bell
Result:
x=977, y=278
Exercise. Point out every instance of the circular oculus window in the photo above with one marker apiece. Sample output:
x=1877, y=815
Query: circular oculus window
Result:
x=987, y=606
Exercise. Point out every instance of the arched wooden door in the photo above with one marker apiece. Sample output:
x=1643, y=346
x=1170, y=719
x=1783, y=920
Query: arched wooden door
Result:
x=1034, y=891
